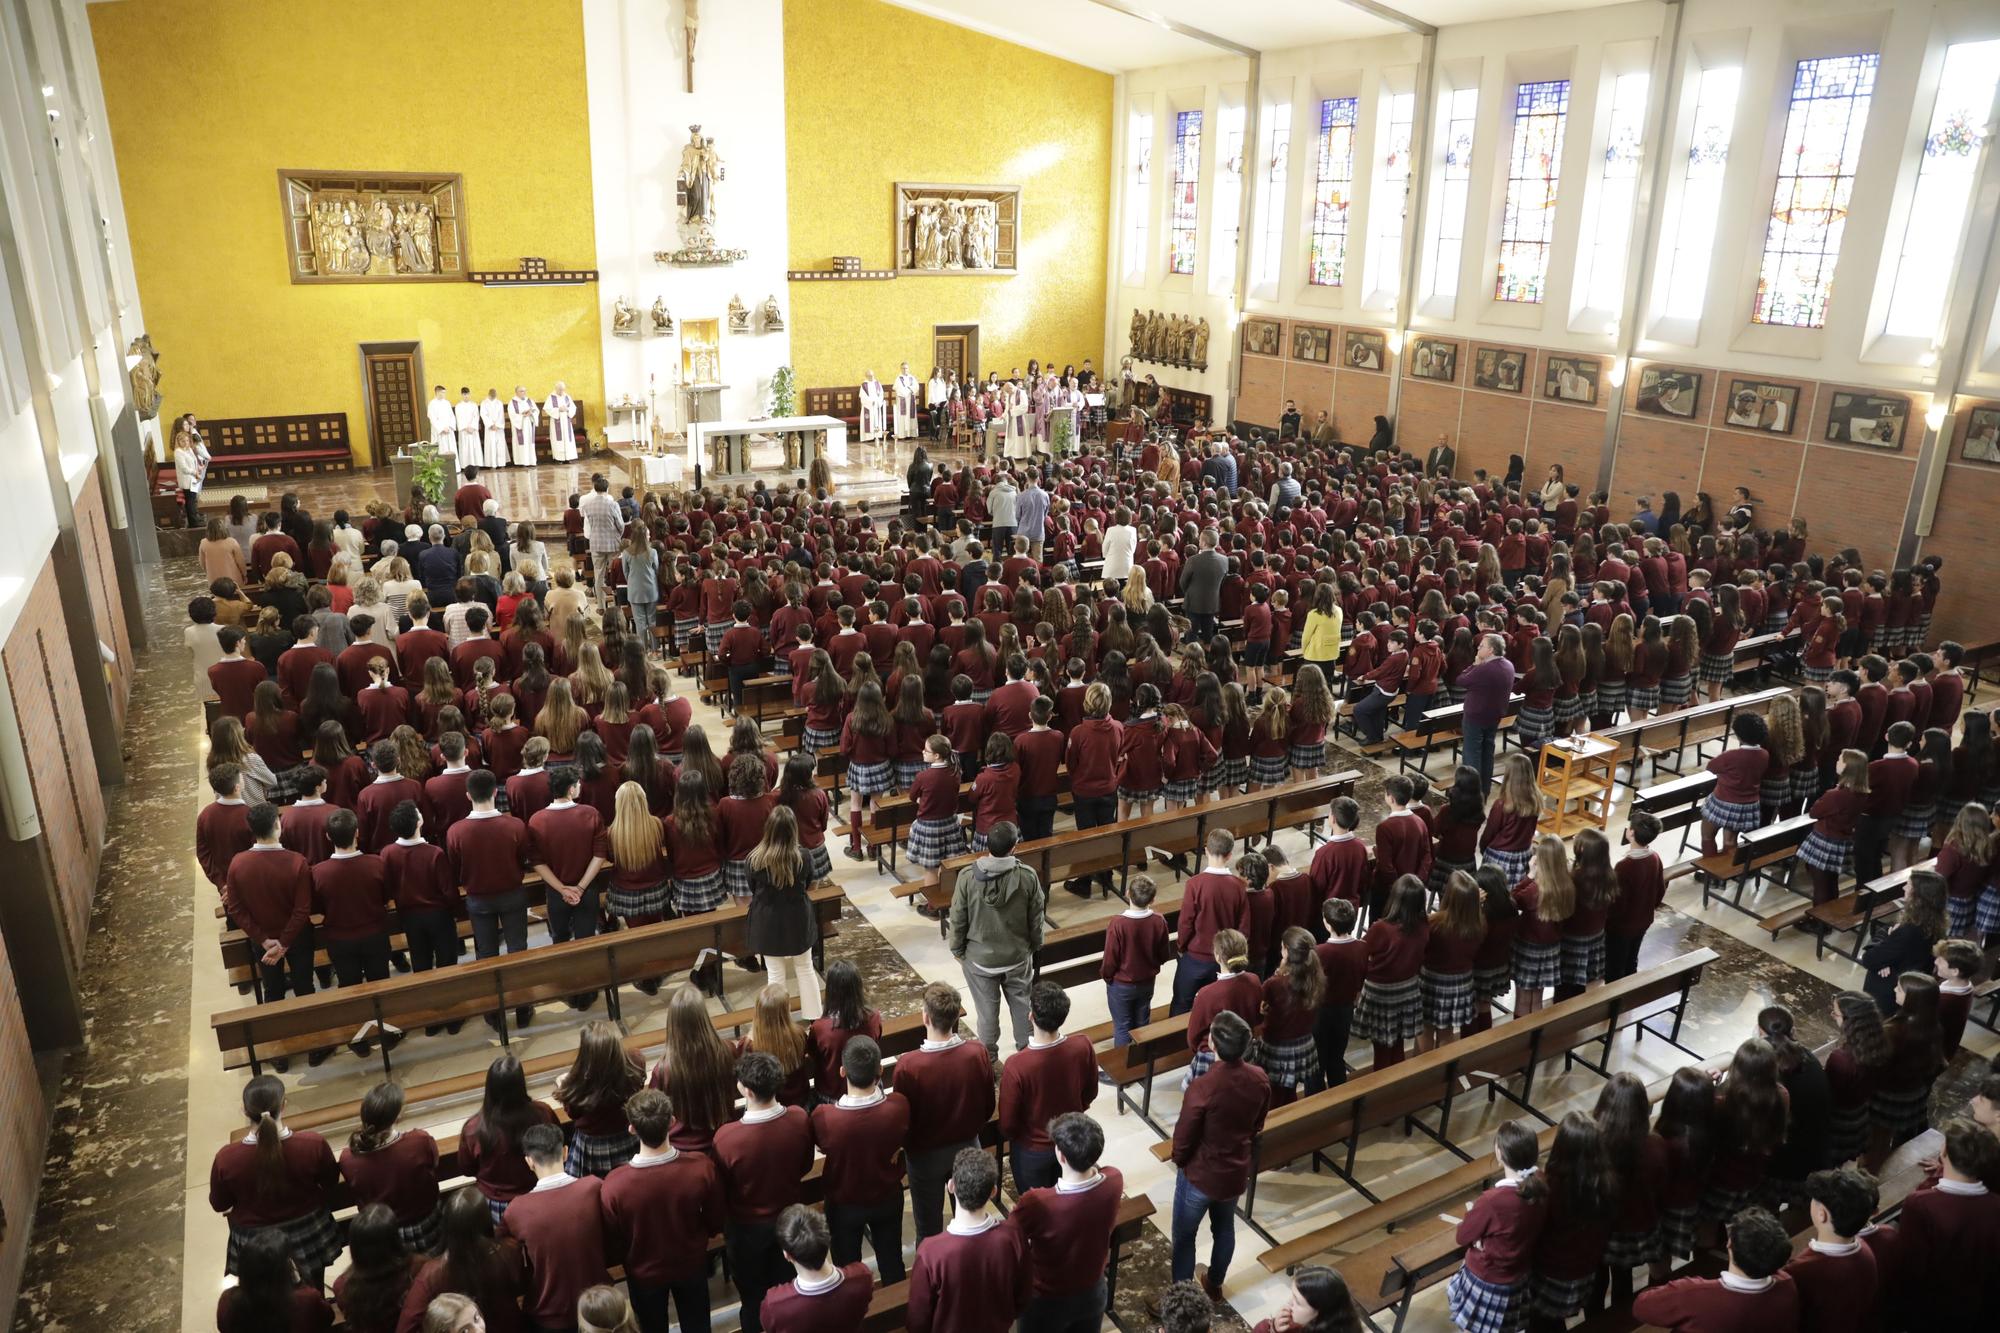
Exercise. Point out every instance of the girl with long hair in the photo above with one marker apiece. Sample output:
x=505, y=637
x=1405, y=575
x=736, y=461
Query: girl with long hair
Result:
x=593, y=1092
x=1899, y=1106
x=697, y=1070
x=386, y=1164
x=1546, y=901
x=694, y=846
x=272, y=1185
x=1751, y=1113
x=1913, y=823
x=1828, y=850
x=370, y=1293
x=698, y=756
x=1535, y=720
x=1582, y=963
x=1635, y=1172
x=1292, y=997
x=810, y=808
x=1908, y=947
x=783, y=924
x=1455, y=828
x=1507, y=839
x=1809, y=1102
x=1687, y=1124
x=846, y=1015
x=1814, y=743
x=1318, y=1302
x=475, y=1268
x=1236, y=737
x=1859, y=1058
x=489, y=1143
x=1964, y=860
x=1457, y=929
x=1571, y=1247
x=1493, y=961
x=1491, y=1290
x=1391, y=1009
x=1270, y=732
x=270, y=1293
x=866, y=738
x=227, y=744
x=1306, y=725
x=776, y=1031
x=591, y=680
x=1734, y=806
x=561, y=721
x=645, y=768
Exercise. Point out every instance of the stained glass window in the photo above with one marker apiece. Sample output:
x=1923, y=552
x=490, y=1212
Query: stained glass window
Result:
x=1701, y=192
x=1271, y=208
x=1461, y=110
x=1138, y=204
x=1528, y=222
x=1829, y=110
x=1333, y=191
x=1183, y=226
x=1944, y=188
x=1228, y=207
x=1392, y=196
x=1611, y=237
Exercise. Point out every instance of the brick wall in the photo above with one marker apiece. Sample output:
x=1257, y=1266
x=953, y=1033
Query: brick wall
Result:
x=41, y=677
x=93, y=531
x=21, y=1129
x=1962, y=532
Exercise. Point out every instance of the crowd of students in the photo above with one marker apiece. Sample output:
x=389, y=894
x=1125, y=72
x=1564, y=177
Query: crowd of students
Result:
x=444, y=726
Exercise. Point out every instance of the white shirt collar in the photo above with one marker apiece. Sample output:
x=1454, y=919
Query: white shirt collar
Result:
x=307, y=800
x=381, y=778
x=267, y=846
x=1394, y=813
x=806, y=1286
x=554, y=1182
x=644, y=1158
x=483, y=814
x=1955, y=987
x=1747, y=1285
x=1138, y=913
x=759, y=1117
x=1835, y=1249
x=959, y=1227
x=234, y=800
x=566, y=803
x=1096, y=1179
x=460, y=768
x=1340, y=837
x=348, y=855
x=1035, y=1043
x=284, y=1132
x=1946, y=1185
x=929, y=1045
x=848, y=1101
x=412, y=842
x=528, y=772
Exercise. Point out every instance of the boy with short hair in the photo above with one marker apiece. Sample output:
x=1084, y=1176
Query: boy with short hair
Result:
x=1135, y=949
x=1051, y=1075
x=528, y=789
x=973, y=1276
x=1958, y=964
x=1402, y=843
x=659, y=1211
x=560, y=1229
x=1836, y=1275
x=948, y=1084
x=1642, y=887
x=222, y=829
x=764, y=1156
x=822, y=1297
x=1344, y=960
x=1067, y=1228
x=1755, y=1294
x=1215, y=899
x=1340, y=866
x=862, y=1136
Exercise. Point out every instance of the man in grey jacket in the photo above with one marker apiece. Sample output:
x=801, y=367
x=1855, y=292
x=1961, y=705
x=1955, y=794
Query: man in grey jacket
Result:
x=1201, y=584
x=995, y=930
x=1000, y=502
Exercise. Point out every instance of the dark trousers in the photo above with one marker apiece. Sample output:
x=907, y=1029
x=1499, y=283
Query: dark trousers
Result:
x=191, y=506
x=498, y=918
x=1077, y=1312
x=1090, y=811
x=1003, y=542
x=1414, y=708
x=738, y=677
x=356, y=961
x=881, y=1222
x=1621, y=955
x=1871, y=840
x=433, y=939
x=1131, y=1007
x=1192, y=974
x=1330, y=1040
x=572, y=923
x=757, y=1264
x=1371, y=715
x=689, y=1295
x=1479, y=749
x=292, y=974
x=1203, y=624
x=928, y=1170
x=1190, y=1206
x=1038, y=817
x=1034, y=1168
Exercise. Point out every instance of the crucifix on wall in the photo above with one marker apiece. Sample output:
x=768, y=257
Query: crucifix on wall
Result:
x=690, y=21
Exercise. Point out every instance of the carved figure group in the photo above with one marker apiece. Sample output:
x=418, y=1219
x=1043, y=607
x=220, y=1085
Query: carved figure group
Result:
x=1169, y=340
x=355, y=236
x=953, y=233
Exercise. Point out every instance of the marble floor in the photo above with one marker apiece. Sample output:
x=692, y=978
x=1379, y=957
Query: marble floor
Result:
x=124, y=1218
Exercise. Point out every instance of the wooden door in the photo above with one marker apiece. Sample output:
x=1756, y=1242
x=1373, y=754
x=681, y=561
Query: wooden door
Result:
x=948, y=353
x=395, y=402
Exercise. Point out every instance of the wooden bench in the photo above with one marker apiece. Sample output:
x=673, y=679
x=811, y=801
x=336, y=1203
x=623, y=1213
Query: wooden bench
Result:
x=1069, y=956
x=1766, y=654
x=1974, y=664
x=1394, y=1096
x=1677, y=805
x=1440, y=726
x=249, y=1036
x=1725, y=875
x=890, y=817
x=1656, y=738
x=1855, y=913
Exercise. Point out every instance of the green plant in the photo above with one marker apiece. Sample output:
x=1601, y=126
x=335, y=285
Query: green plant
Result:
x=784, y=392
x=432, y=471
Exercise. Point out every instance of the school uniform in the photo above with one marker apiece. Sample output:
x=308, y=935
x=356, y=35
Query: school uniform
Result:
x=488, y=852
x=1402, y=847
x=972, y=1277
x=1829, y=847
x=1221, y=1115
x=1340, y=869
x=1890, y=779
x=221, y=830
x=836, y=1305
x=351, y=895
x=1039, y=1083
x=1450, y=998
x=1136, y=947
x=560, y=1229
x=1947, y=1237
x=740, y=823
x=295, y=1204
x=1736, y=803
x=1537, y=943
x=1392, y=1000
x=1345, y=962
x=1213, y=900
x=698, y=880
x=1241, y=993
x=762, y=1157
x=826, y=1039
x=862, y=1138
x=1489, y=1292
x=1039, y=754
x=1067, y=1231
x=267, y=892
x=402, y=1175
x=994, y=799
x=869, y=769
x=1287, y=1050
x=1837, y=1286
x=935, y=835
x=1729, y=1304
x=1642, y=887
x=1140, y=771
x=1508, y=841
x=949, y=1089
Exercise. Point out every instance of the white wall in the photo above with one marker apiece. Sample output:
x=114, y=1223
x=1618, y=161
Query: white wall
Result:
x=639, y=117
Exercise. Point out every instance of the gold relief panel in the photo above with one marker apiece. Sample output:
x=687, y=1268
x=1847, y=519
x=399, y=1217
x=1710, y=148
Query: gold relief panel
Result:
x=957, y=230
x=383, y=226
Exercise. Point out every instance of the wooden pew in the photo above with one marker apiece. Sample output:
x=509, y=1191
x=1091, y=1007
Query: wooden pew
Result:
x=1069, y=956
x=1854, y=913
x=890, y=817
x=1440, y=726
x=1768, y=654
x=1656, y=738
x=1677, y=805
x=1725, y=875
x=473, y=990
x=1394, y=1096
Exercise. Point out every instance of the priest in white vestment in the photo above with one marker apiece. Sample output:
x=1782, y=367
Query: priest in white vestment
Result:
x=522, y=414
x=560, y=409
x=937, y=399
x=444, y=423
x=467, y=412
x=1019, y=422
x=874, y=409
x=906, y=404
x=493, y=426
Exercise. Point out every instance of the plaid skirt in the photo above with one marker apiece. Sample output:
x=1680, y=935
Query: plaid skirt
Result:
x=935, y=841
x=699, y=895
x=1948, y=808
x=871, y=779
x=1630, y=1249
x=1561, y=1297
x=1774, y=620
x=1442, y=871
x=425, y=1235
x=1138, y=797
x=1960, y=914
x=819, y=862
x=1217, y=774
x=1847, y=1133
x=1611, y=697
x=290, y=785
x=1903, y=1112
x=1513, y=864
x=981, y=696
x=1833, y=855
x=1201, y=1062
x=1533, y=724
x=1183, y=790
x=1805, y=785
x=648, y=902
x=1642, y=697
x=1588, y=698
x=1675, y=691
x=1570, y=708
x=1292, y=1064
x=1729, y=815
x=685, y=632
x=1310, y=757
x=907, y=771
x=714, y=633
x=736, y=878
x=1268, y=772
x=1717, y=668
x=1582, y=959
x=495, y=1207
x=813, y=741
x=1450, y=999
x=1493, y=982
x=314, y=1239
x=1987, y=919
x=1915, y=821
x=1773, y=791
x=597, y=1154
x=1537, y=966
x=1817, y=675
x=977, y=840
x=1479, y=1306
x=1719, y=1203
x=1236, y=772
x=1390, y=1013
x=1676, y=1230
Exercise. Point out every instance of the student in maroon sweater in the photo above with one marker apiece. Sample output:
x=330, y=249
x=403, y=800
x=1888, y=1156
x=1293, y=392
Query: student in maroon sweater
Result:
x=763, y=1158
x=1890, y=779
x=659, y=1209
x=351, y=896
x=560, y=1228
x=822, y=1298
x=267, y=892
x=274, y=1177
x=236, y=677
x=1344, y=959
x=1136, y=947
x=1755, y=1295
x=1039, y=752
x=444, y=791
x=488, y=852
x=395, y=1167
x=379, y=797
x=1067, y=1229
x=1949, y=1232
x=222, y=829
x=1735, y=806
x=973, y=1276
x=1091, y=753
x=1835, y=1274
x=1402, y=842
x=1642, y=887
x=1391, y=1011
x=862, y=1136
x=1214, y=900
x=1221, y=1115
x=1499, y=1232
x=1051, y=1075
x=566, y=845
x=948, y=1084
x=1340, y=866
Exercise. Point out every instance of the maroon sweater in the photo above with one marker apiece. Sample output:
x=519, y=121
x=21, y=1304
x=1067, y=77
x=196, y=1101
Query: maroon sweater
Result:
x=561, y=1233
x=1394, y=954
x=1642, y=887
x=488, y=853
x=1340, y=869
x=969, y=1284
x=1837, y=1292
x=1241, y=993
x=660, y=1216
x=233, y=1186
x=1945, y=1252
x=1091, y=753
x=527, y=793
x=864, y=1148
x=949, y=1092
x=564, y=838
x=376, y=802
x=351, y=894
x=838, y=1309
x=402, y=1174
x=935, y=791
x=1500, y=1232
x=1704, y=1305
x=1214, y=900
x=1402, y=847
x=304, y=830
x=420, y=877
x=1042, y=1082
x=1040, y=755
x=1221, y=1114
x=268, y=893
x=1135, y=948
x=1068, y=1232
x=1345, y=963
x=502, y=1173
x=762, y=1164
x=221, y=830
x=445, y=802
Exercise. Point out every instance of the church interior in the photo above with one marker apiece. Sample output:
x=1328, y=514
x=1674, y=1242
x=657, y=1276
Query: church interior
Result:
x=1247, y=383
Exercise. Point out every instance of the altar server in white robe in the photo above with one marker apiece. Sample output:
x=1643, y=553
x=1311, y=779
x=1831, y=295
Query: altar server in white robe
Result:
x=560, y=409
x=937, y=400
x=906, y=404
x=522, y=414
x=1019, y=422
x=493, y=427
x=874, y=408
x=467, y=413
x=444, y=423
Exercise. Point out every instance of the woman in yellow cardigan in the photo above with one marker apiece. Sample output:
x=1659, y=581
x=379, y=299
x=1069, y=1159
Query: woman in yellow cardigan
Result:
x=1321, y=638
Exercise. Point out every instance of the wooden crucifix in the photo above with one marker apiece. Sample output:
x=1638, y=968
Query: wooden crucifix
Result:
x=690, y=21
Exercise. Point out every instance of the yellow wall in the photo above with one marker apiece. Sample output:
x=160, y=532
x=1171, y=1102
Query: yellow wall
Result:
x=209, y=99
x=875, y=94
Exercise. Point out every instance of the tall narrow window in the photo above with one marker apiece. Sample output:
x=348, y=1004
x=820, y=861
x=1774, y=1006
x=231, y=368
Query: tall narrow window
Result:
x=1271, y=208
x=1184, y=225
x=1611, y=238
x=1454, y=183
x=1333, y=191
x=1701, y=192
x=1392, y=202
x=1944, y=188
x=1227, y=208
x=1139, y=203
x=1829, y=110
x=1528, y=223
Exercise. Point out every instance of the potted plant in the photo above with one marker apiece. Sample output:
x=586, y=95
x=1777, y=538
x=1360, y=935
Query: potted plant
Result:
x=430, y=470
x=784, y=392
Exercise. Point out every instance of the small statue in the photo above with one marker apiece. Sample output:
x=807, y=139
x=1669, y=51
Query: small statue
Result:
x=624, y=320
x=774, y=322
x=663, y=320
x=739, y=315
x=1200, y=349
x=145, y=377
x=1138, y=336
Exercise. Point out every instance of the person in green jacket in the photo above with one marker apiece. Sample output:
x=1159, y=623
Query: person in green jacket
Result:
x=995, y=930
